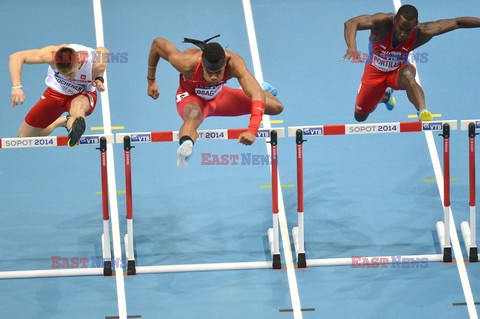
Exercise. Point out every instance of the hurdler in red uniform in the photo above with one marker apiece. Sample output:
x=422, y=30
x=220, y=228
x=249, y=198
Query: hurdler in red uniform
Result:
x=392, y=38
x=202, y=91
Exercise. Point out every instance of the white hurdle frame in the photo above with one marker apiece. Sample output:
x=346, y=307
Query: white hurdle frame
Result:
x=469, y=229
x=219, y=134
x=370, y=128
x=53, y=141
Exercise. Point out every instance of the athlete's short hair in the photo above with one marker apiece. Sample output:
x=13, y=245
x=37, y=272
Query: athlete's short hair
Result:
x=64, y=59
x=408, y=11
x=213, y=56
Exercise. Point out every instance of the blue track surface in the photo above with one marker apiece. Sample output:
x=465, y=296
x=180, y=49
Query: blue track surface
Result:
x=365, y=195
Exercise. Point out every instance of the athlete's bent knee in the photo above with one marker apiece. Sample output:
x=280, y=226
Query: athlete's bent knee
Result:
x=275, y=109
x=192, y=112
x=359, y=117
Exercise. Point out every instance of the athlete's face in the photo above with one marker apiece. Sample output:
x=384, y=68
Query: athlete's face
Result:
x=72, y=72
x=403, y=28
x=213, y=77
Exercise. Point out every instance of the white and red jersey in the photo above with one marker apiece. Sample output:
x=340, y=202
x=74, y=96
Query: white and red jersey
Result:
x=198, y=86
x=385, y=57
x=82, y=81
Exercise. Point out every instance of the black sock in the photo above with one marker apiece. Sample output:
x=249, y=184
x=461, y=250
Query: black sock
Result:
x=185, y=138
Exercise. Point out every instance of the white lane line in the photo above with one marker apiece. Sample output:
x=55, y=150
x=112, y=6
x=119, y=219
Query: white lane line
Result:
x=287, y=252
x=112, y=186
x=459, y=258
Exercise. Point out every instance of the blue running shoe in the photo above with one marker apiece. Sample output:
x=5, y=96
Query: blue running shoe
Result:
x=269, y=88
x=390, y=103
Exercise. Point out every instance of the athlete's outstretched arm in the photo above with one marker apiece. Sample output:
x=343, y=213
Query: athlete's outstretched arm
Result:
x=162, y=48
x=18, y=59
x=251, y=87
x=428, y=30
x=363, y=22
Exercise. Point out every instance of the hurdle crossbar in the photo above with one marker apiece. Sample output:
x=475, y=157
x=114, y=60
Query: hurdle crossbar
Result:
x=469, y=229
x=223, y=134
x=373, y=128
x=51, y=141
x=218, y=134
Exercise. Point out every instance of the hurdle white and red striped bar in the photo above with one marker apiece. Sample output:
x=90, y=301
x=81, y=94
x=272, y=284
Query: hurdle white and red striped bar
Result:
x=51, y=141
x=469, y=229
x=218, y=134
x=371, y=128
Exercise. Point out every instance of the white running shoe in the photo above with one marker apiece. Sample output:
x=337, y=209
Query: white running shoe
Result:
x=184, y=152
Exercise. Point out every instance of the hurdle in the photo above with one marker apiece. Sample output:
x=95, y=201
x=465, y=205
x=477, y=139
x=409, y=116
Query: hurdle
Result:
x=53, y=141
x=372, y=128
x=469, y=230
x=220, y=134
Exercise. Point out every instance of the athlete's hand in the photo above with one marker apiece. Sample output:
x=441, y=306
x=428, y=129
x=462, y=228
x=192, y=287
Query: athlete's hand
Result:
x=246, y=138
x=18, y=97
x=352, y=54
x=99, y=85
x=153, y=89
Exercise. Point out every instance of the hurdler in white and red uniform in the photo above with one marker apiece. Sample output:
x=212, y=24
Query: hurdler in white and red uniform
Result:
x=75, y=72
x=61, y=91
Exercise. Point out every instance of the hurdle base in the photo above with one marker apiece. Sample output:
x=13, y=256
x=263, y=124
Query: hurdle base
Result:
x=107, y=257
x=131, y=268
x=107, y=268
x=446, y=248
x=301, y=257
x=472, y=250
x=276, y=260
x=301, y=260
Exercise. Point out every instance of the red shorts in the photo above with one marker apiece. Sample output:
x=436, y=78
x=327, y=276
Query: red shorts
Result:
x=373, y=86
x=229, y=102
x=53, y=104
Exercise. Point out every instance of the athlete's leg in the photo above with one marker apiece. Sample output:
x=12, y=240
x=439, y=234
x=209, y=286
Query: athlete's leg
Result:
x=368, y=97
x=192, y=118
x=42, y=119
x=27, y=130
x=272, y=106
x=406, y=80
x=79, y=106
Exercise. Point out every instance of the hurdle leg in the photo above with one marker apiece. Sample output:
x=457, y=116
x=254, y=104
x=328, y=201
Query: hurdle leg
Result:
x=298, y=232
x=129, y=248
x=443, y=228
x=106, y=250
x=273, y=233
x=469, y=230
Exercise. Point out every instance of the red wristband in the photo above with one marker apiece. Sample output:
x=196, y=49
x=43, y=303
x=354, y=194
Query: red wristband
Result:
x=257, y=109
